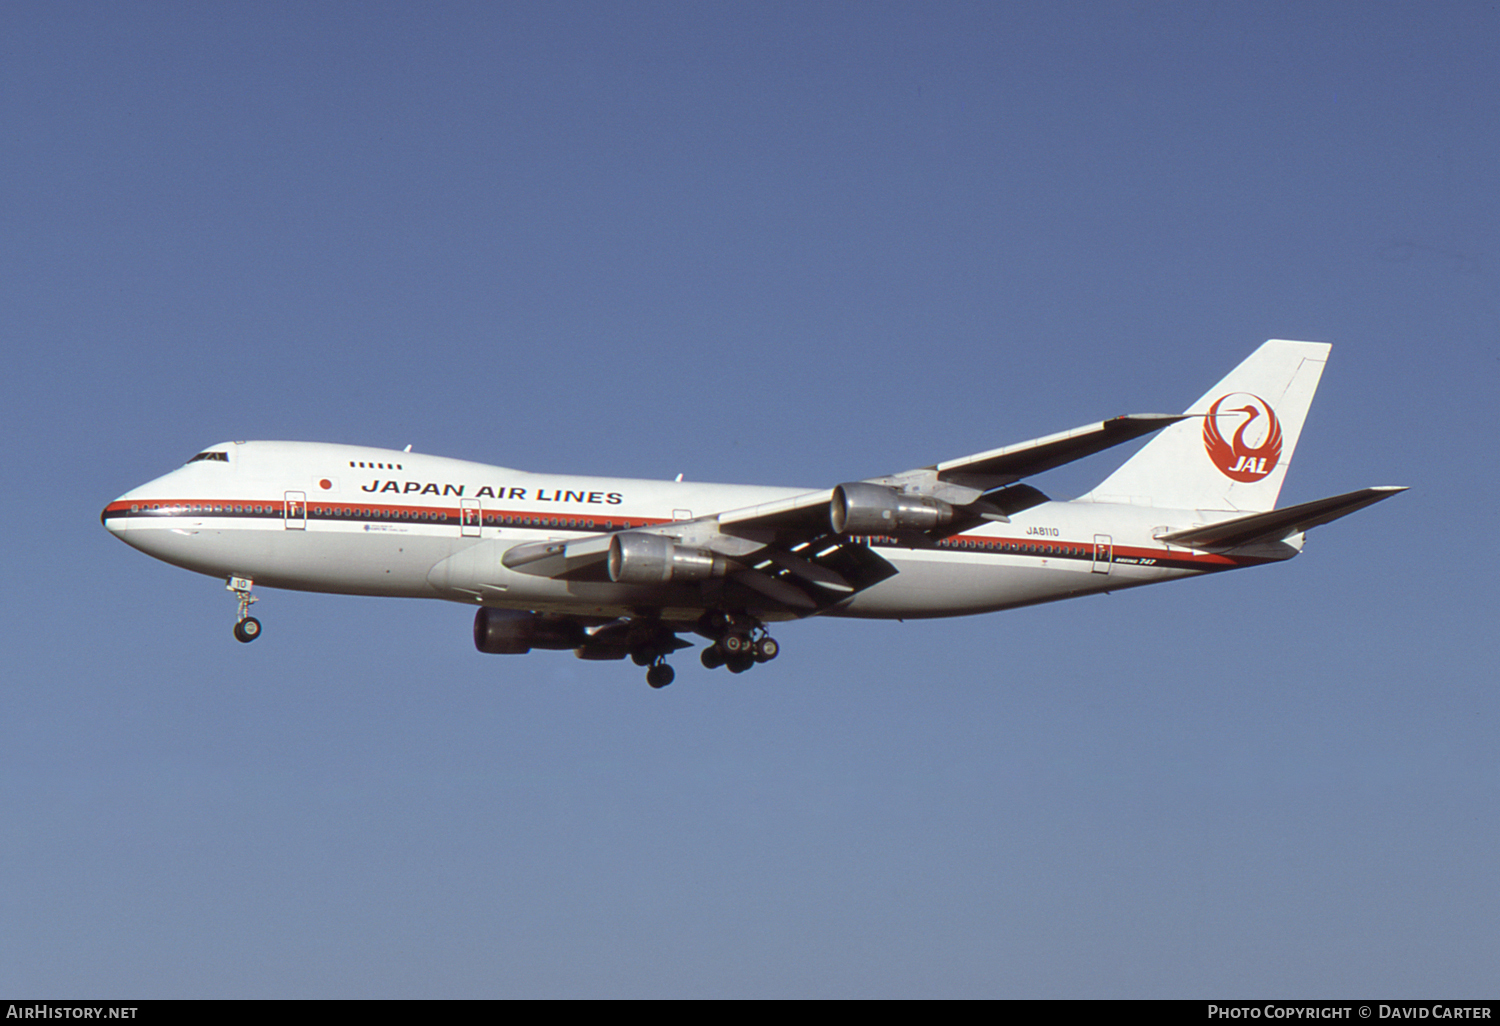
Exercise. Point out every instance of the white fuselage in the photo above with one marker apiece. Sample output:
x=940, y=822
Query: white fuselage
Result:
x=363, y=521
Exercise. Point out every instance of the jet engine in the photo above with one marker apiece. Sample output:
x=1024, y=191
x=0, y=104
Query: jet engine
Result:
x=637, y=558
x=875, y=509
x=516, y=632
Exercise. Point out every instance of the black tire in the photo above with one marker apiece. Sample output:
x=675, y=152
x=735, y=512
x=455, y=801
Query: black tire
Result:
x=766, y=649
x=247, y=630
x=660, y=675
x=642, y=658
x=734, y=644
x=712, y=657
x=740, y=663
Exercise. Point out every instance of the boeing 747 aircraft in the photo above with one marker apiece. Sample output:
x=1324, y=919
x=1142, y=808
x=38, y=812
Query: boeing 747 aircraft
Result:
x=612, y=567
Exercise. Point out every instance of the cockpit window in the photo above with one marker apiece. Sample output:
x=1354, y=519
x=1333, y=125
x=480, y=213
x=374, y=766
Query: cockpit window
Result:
x=222, y=457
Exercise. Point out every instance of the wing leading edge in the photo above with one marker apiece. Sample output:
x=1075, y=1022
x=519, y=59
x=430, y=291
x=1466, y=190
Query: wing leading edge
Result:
x=999, y=467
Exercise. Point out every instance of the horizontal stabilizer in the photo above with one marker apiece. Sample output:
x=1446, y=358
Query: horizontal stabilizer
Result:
x=1278, y=523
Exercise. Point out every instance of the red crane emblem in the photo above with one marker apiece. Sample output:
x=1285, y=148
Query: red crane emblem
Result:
x=1243, y=459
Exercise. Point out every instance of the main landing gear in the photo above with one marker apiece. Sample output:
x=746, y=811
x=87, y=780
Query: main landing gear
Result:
x=739, y=642
x=247, y=627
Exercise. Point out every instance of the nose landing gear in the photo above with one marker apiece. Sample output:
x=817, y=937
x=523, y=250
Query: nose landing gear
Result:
x=247, y=627
x=660, y=675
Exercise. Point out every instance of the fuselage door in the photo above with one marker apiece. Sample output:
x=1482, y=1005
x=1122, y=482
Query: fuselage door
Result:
x=1104, y=553
x=296, y=511
x=469, y=518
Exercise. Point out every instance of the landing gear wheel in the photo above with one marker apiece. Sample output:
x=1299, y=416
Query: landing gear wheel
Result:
x=712, y=657
x=660, y=675
x=642, y=658
x=740, y=662
x=247, y=629
x=766, y=649
x=735, y=644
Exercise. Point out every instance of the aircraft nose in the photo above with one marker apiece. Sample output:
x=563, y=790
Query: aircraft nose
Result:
x=115, y=516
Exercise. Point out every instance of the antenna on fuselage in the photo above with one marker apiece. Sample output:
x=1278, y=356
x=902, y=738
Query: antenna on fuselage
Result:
x=407, y=449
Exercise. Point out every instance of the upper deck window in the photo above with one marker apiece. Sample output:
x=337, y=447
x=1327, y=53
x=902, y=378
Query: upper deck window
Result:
x=222, y=457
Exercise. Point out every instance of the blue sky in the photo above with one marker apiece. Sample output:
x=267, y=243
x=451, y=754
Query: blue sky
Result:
x=788, y=244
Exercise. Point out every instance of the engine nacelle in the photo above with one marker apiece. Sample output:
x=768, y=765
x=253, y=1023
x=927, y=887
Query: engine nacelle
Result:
x=637, y=558
x=516, y=632
x=875, y=509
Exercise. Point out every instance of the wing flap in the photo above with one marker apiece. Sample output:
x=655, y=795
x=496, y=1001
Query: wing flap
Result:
x=777, y=589
x=808, y=570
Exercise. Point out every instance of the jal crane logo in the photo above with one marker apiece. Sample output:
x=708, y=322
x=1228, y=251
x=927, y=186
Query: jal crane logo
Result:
x=1254, y=447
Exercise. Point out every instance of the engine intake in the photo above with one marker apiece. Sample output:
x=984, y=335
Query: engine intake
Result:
x=516, y=632
x=875, y=509
x=636, y=558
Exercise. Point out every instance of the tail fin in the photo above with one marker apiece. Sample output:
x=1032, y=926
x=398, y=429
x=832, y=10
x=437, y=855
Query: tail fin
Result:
x=1233, y=451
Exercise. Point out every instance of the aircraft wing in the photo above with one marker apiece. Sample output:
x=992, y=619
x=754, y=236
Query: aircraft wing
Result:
x=787, y=556
x=570, y=560
x=998, y=467
x=796, y=544
x=961, y=481
x=805, y=575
